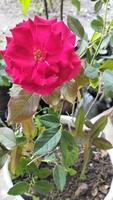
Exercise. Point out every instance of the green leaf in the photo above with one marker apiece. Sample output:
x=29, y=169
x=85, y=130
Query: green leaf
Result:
x=108, y=83
x=35, y=198
x=43, y=186
x=71, y=171
x=22, y=105
x=91, y=72
x=98, y=6
x=50, y=158
x=59, y=176
x=75, y=26
x=76, y=3
x=50, y=120
x=95, y=36
x=80, y=118
x=43, y=172
x=98, y=126
x=102, y=143
x=47, y=141
x=4, y=79
x=108, y=64
x=7, y=137
x=69, y=149
x=25, y=4
x=31, y=168
x=94, y=82
x=97, y=24
x=21, y=167
x=19, y=188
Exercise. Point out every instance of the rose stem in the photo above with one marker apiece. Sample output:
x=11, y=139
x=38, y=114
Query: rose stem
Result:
x=61, y=9
x=87, y=151
x=46, y=9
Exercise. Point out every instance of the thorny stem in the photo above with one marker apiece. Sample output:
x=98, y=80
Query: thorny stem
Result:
x=46, y=9
x=61, y=9
x=86, y=159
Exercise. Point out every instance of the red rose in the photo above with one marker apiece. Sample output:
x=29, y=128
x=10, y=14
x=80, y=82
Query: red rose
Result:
x=40, y=55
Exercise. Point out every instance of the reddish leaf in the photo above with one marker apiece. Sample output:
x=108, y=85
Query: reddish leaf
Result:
x=22, y=105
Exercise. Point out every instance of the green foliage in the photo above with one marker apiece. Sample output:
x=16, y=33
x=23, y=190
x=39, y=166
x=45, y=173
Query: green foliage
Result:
x=80, y=119
x=98, y=6
x=102, y=143
x=25, y=6
x=91, y=72
x=97, y=24
x=98, y=126
x=7, y=138
x=4, y=79
x=59, y=176
x=107, y=64
x=50, y=120
x=69, y=149
x=75, y=26
x=19, y=188
x=108, y=82
x=43, y=186
x=47, y=141
x=76, y=3
x=41, y=148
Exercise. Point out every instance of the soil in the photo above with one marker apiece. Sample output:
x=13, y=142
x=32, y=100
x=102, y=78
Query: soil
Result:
x=95, y=187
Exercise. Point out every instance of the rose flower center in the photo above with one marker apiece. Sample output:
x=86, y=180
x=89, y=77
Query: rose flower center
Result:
x=37, y=55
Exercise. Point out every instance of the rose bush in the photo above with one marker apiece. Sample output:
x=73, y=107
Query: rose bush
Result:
x=40, y=55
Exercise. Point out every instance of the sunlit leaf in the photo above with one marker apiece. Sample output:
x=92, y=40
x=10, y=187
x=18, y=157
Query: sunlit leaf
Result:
x=108, y=64
x=25, y=5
